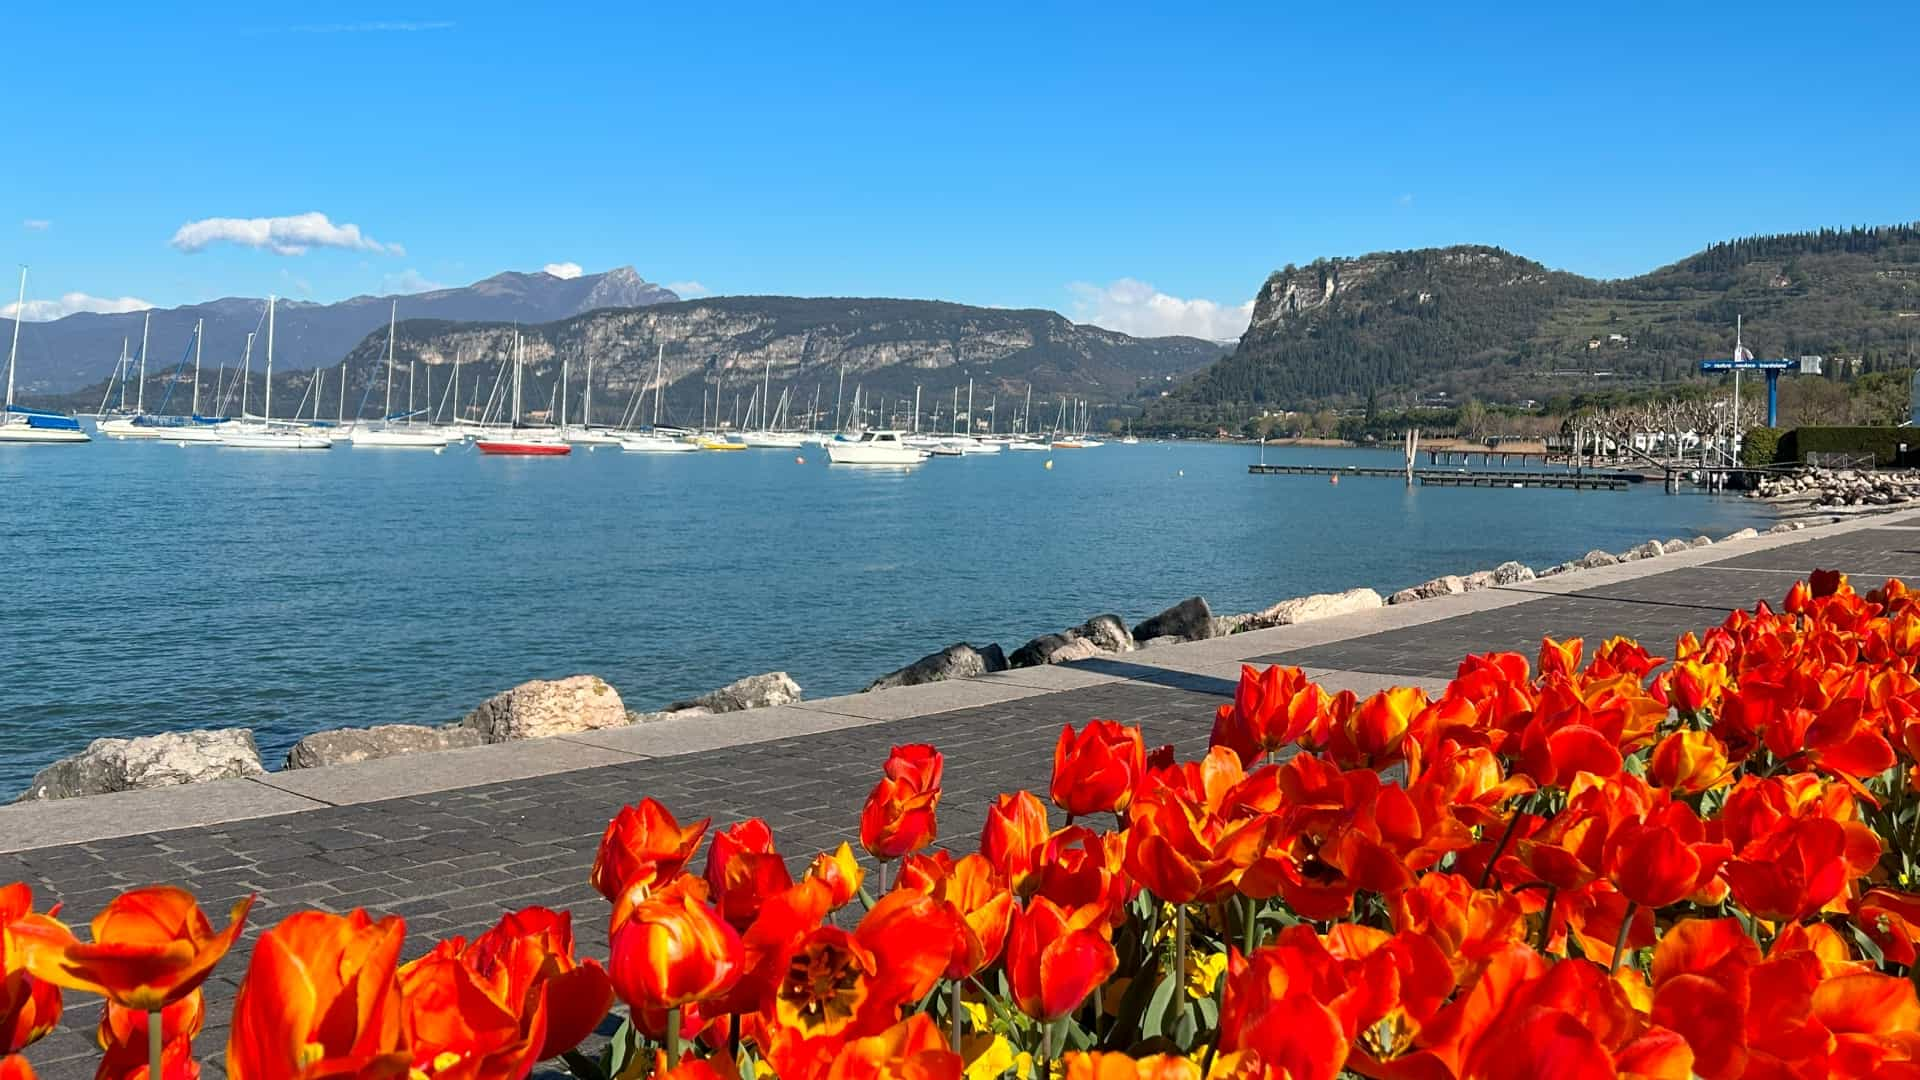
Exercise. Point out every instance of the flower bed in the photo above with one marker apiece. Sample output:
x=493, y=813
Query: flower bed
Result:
x=1598, y=862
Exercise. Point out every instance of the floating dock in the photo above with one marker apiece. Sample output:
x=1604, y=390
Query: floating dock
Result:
x=1511, y=478
x=1487, y=457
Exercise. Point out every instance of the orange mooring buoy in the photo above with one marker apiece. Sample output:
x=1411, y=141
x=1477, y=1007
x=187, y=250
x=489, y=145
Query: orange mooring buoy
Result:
x=1334, y=480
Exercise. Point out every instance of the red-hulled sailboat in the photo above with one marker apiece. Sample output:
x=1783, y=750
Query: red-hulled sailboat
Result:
x=517, y=441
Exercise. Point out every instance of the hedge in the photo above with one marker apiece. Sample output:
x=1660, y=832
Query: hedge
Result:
x=1882, y=442
x=1760, y=448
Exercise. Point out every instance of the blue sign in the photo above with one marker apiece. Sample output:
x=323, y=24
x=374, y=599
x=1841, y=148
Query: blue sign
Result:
x=1749, y=365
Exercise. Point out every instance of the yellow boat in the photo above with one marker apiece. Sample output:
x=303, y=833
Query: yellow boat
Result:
x=721, y=444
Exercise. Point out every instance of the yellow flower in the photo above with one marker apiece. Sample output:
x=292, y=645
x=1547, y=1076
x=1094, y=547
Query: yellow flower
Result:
x=978, y=1018
x=988, y=1058
x=1203, y=973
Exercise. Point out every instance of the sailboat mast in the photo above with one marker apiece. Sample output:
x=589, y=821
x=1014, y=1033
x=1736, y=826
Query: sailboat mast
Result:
x=586, y=403
x=813, y=410
x=1026, y=415
x=140, y=398
x=269, y=413
x=659, y=358
x=343, y=390
x=517, y=356
x=13, y=351
x=839, y=394
x=393, y=315
x=970, y=424
x=412, y=367
x=246, y=373
x=766, y=393
x=199, y=327
x=561, y=390
x=916, y=408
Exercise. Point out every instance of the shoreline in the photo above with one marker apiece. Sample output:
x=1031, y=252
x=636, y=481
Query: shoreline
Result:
x=539, y=707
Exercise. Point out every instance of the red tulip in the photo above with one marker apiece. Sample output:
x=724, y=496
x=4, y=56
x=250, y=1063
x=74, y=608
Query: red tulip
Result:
x=528, y=955
x=321, y=1000
x=122, y=1035
x=29, y=1007
x=643, y=845
x=743, y=870
x=15, y=1067
x=1056, y=958
x=1271, y=710
x=899, y=817
x=1689, y=762
x=1096, y=771
x=977, y=900
x=1663, y=858
x=1015, y=835
x=151, y=947
x=913, y=1049
x=1792, y=873
x=1101, y=1065
x=673, y=951
x=459, y=1030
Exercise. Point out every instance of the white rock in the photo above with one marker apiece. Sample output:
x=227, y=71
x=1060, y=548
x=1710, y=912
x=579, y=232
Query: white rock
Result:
x=1743, y=534
x=149, y=761
x=344, y=746
x=1512, y=573
x=544, y=707
x=752, y=692
x=1308, y=608
x=1479, y=579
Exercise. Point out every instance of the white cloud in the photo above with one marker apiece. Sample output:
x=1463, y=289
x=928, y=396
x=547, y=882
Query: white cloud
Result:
x=72, y=303
x=33, y=224
x=565, y=271
x=688, y=290
x=412, y=281
x=1137, y=308
x=290, y=235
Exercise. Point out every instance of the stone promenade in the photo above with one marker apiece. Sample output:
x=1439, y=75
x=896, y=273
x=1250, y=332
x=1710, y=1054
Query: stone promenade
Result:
x=450, y=840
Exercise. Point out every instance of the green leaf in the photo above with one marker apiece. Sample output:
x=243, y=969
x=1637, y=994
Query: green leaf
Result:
x=1158, y=1018
x=582, y=1066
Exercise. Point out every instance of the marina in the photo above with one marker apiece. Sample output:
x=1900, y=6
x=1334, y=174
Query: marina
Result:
x=1566, y=480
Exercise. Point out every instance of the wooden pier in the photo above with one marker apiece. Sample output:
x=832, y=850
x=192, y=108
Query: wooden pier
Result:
x=1502, y=478
x=1487, y=457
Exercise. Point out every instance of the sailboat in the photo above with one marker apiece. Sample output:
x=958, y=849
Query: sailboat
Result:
x=384, y=435
x=1130, y=439
x=584, y=433
x=19, y=424
x=265, y=435
x=766, y=437
x=655, y=440
x=516, y=441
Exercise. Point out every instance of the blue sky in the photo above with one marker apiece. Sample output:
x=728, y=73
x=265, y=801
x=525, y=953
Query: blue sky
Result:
x=1141, y=166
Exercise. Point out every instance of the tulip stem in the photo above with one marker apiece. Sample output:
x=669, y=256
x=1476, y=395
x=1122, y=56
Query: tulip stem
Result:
x=1513, y=822
x=673, y=1037
x=953, y=1007
x=1546, y=922
x=153, y=1045
x=1620, y=939
x=1179, y=962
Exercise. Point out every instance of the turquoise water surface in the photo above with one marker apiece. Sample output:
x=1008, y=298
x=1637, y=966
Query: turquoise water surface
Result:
x=153, y=587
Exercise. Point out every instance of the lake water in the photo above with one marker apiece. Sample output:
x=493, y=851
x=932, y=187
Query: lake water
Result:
x=152, y=587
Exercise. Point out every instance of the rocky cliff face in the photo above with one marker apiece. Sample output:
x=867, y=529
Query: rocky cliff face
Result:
x=730, y=344
x=1291, y=294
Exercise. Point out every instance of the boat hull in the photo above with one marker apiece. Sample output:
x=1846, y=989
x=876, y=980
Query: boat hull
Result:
x=268, y=440
x=657, y=446
x=504, y=448
x=855, y=454
x=22, y=433
x=398, y=440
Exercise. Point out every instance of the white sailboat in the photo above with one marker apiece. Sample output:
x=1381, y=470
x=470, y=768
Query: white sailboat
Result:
x=19, y=424
x=385, y=435
x=656, y=440
x=265, y=435
x=192, y=428
x=584, y=433
x=516, y=441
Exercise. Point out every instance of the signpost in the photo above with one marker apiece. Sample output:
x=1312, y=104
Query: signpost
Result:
x=1743, y=360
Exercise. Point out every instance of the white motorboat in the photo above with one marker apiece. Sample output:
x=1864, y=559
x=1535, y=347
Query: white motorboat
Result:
x=971, y=446
x=19, y=424
x=1029, y=444
x=875, y=447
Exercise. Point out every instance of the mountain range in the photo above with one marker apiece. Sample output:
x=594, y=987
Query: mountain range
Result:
x=78, y=350
x=1403, y=326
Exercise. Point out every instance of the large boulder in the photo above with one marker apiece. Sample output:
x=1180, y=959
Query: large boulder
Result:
x=1652, y=549
x=1308, y=608
x=959, y=661
x=1743, y=534
x=1107, y=633
x=1053, y=649
x=344, y=746
x=149, y=761
x=1188, y=620
x=1701, y=541
x=1479, y=579
x=1512, y=573
x=1597, y=558
x=548, y=707
x=752, y=692
x=1450, y=585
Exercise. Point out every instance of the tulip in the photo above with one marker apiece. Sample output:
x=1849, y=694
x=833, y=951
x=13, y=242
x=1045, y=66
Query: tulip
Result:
x=1055, y=959
x=528, y=956
x=827, y=984
x=674, y=951
x=1689, y=762
x=1694, y=686
x=1892, y=920
x=1111, y=1066
x=151, y=947
x=1271, y=710
x=910, y=1050
x=1097, y=770
x=1792, y=873
x=15, y=1067
x=899, y=817
x=29, y=1007
x=1664, y=858
x=1374, y=733
x=977, y=904
x=321, y=999
x=643, y=845
x=459, y=1030
x=840, y=873
x=1560, y=658
x=1015, y=835
x=125, y=1042
x=743, y=870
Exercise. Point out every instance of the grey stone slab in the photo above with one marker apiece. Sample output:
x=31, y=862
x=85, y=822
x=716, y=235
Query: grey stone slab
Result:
x=443, y=770
x=666, y=738
x=1367, y=683
x=1072, y=676
x=902, y=702
x=69, y=821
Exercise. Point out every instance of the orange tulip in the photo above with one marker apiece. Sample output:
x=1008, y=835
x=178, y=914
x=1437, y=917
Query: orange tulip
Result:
x=1097, y=770
x=913, y=1049
x=1688, y=762
x=1694, y=686
x=151, y=947
x=321, y=999
x=827, y=984
x=899, y=817
x=29, y=1007
x=459, y=1030
x=1016, y=833
x=1056, y=958
x=1271, y=710
x=528, y=954
x=15, y=1067
x=976, y=898
x=1560, y=658
x=1373, y=733
x=1663, y=858
x=1792, y=873
x=122, y=1035
x=743, y=870
x=1892, y=920
x=1271, y=1008
x=643, y=845
x=674, y=951
x=840, y=873
x=1111, y=1066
